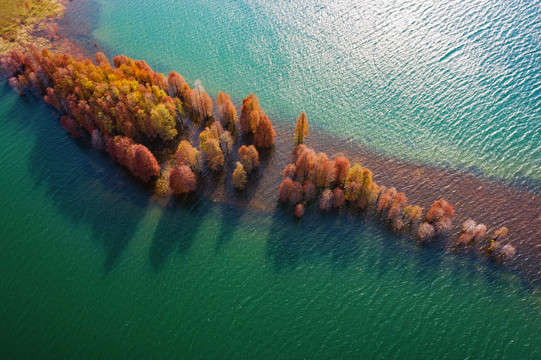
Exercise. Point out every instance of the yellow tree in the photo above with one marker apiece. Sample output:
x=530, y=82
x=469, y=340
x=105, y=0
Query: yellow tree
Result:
x=239, y=176
x=301, y=130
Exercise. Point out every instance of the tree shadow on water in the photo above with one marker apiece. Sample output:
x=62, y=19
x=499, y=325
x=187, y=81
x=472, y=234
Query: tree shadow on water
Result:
x=315, y=237
x=88, y=188
x=177, y=229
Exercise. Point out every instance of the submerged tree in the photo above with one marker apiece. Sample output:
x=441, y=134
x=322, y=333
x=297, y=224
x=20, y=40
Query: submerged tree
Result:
x=290, y=171
x=341, y=169
x=338, y=197
x=299, y=210
x=412, y=213
x=438, y=219
x=397, y=205
x=249, y=157
x=182, y=180
x=188, y=155
x=250, y=114
x=426, y=231
x=227, y=112
x=254, y=121
x=239, y=176
x=264, y=134
x=301, y=130
x=213, y=154
x=440, y=215
x=326, y=200
x=471, y=231
x=145, y=164
x=309, y=190
x=290, y=191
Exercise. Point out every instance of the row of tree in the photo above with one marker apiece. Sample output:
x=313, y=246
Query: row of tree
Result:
x=335, y=183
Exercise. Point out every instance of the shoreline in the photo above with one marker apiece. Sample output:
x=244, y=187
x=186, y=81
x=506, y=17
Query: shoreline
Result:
x=492, y=202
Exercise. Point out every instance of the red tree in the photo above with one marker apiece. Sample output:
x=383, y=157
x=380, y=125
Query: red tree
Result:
x=182, y=180
x=226, y=111
x=326, y=200
x=264, y=135
x=341, y=169
x=176, y=82
x=309, y=190
x=249, y=114
x=305, y=163
x=397, y=205
x=102, y=60
x=299, y=210
x=440, y=215
x=71, y=126
x=337, y=197
x=145, y=164
x=289, y=171
x=249, y=157
x=285, y=190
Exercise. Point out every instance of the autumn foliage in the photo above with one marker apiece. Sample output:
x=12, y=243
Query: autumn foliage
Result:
x=134, y=113
x=188, y=155
x=135, y=157
x=182, y=179
x=301, y=130
x=145, y=164
x=250, y=114
x=438, y=219
x=254, y=121
x=227, y=112
x=471, y=231
x=299, y=210
x=213, y=154
x=249, y=157
x=239, y=176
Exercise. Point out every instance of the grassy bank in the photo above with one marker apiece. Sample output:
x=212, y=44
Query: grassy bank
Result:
x=20, y=19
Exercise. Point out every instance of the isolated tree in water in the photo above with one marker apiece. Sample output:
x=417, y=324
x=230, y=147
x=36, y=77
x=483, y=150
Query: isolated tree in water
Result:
x=301, y=130
x=239, y=176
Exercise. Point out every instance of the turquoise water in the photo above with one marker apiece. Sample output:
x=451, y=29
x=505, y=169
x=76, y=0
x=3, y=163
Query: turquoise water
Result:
x=92, y=267
x=455, y=83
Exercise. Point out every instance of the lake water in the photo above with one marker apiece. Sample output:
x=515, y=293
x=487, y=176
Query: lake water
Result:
x=93, y=268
